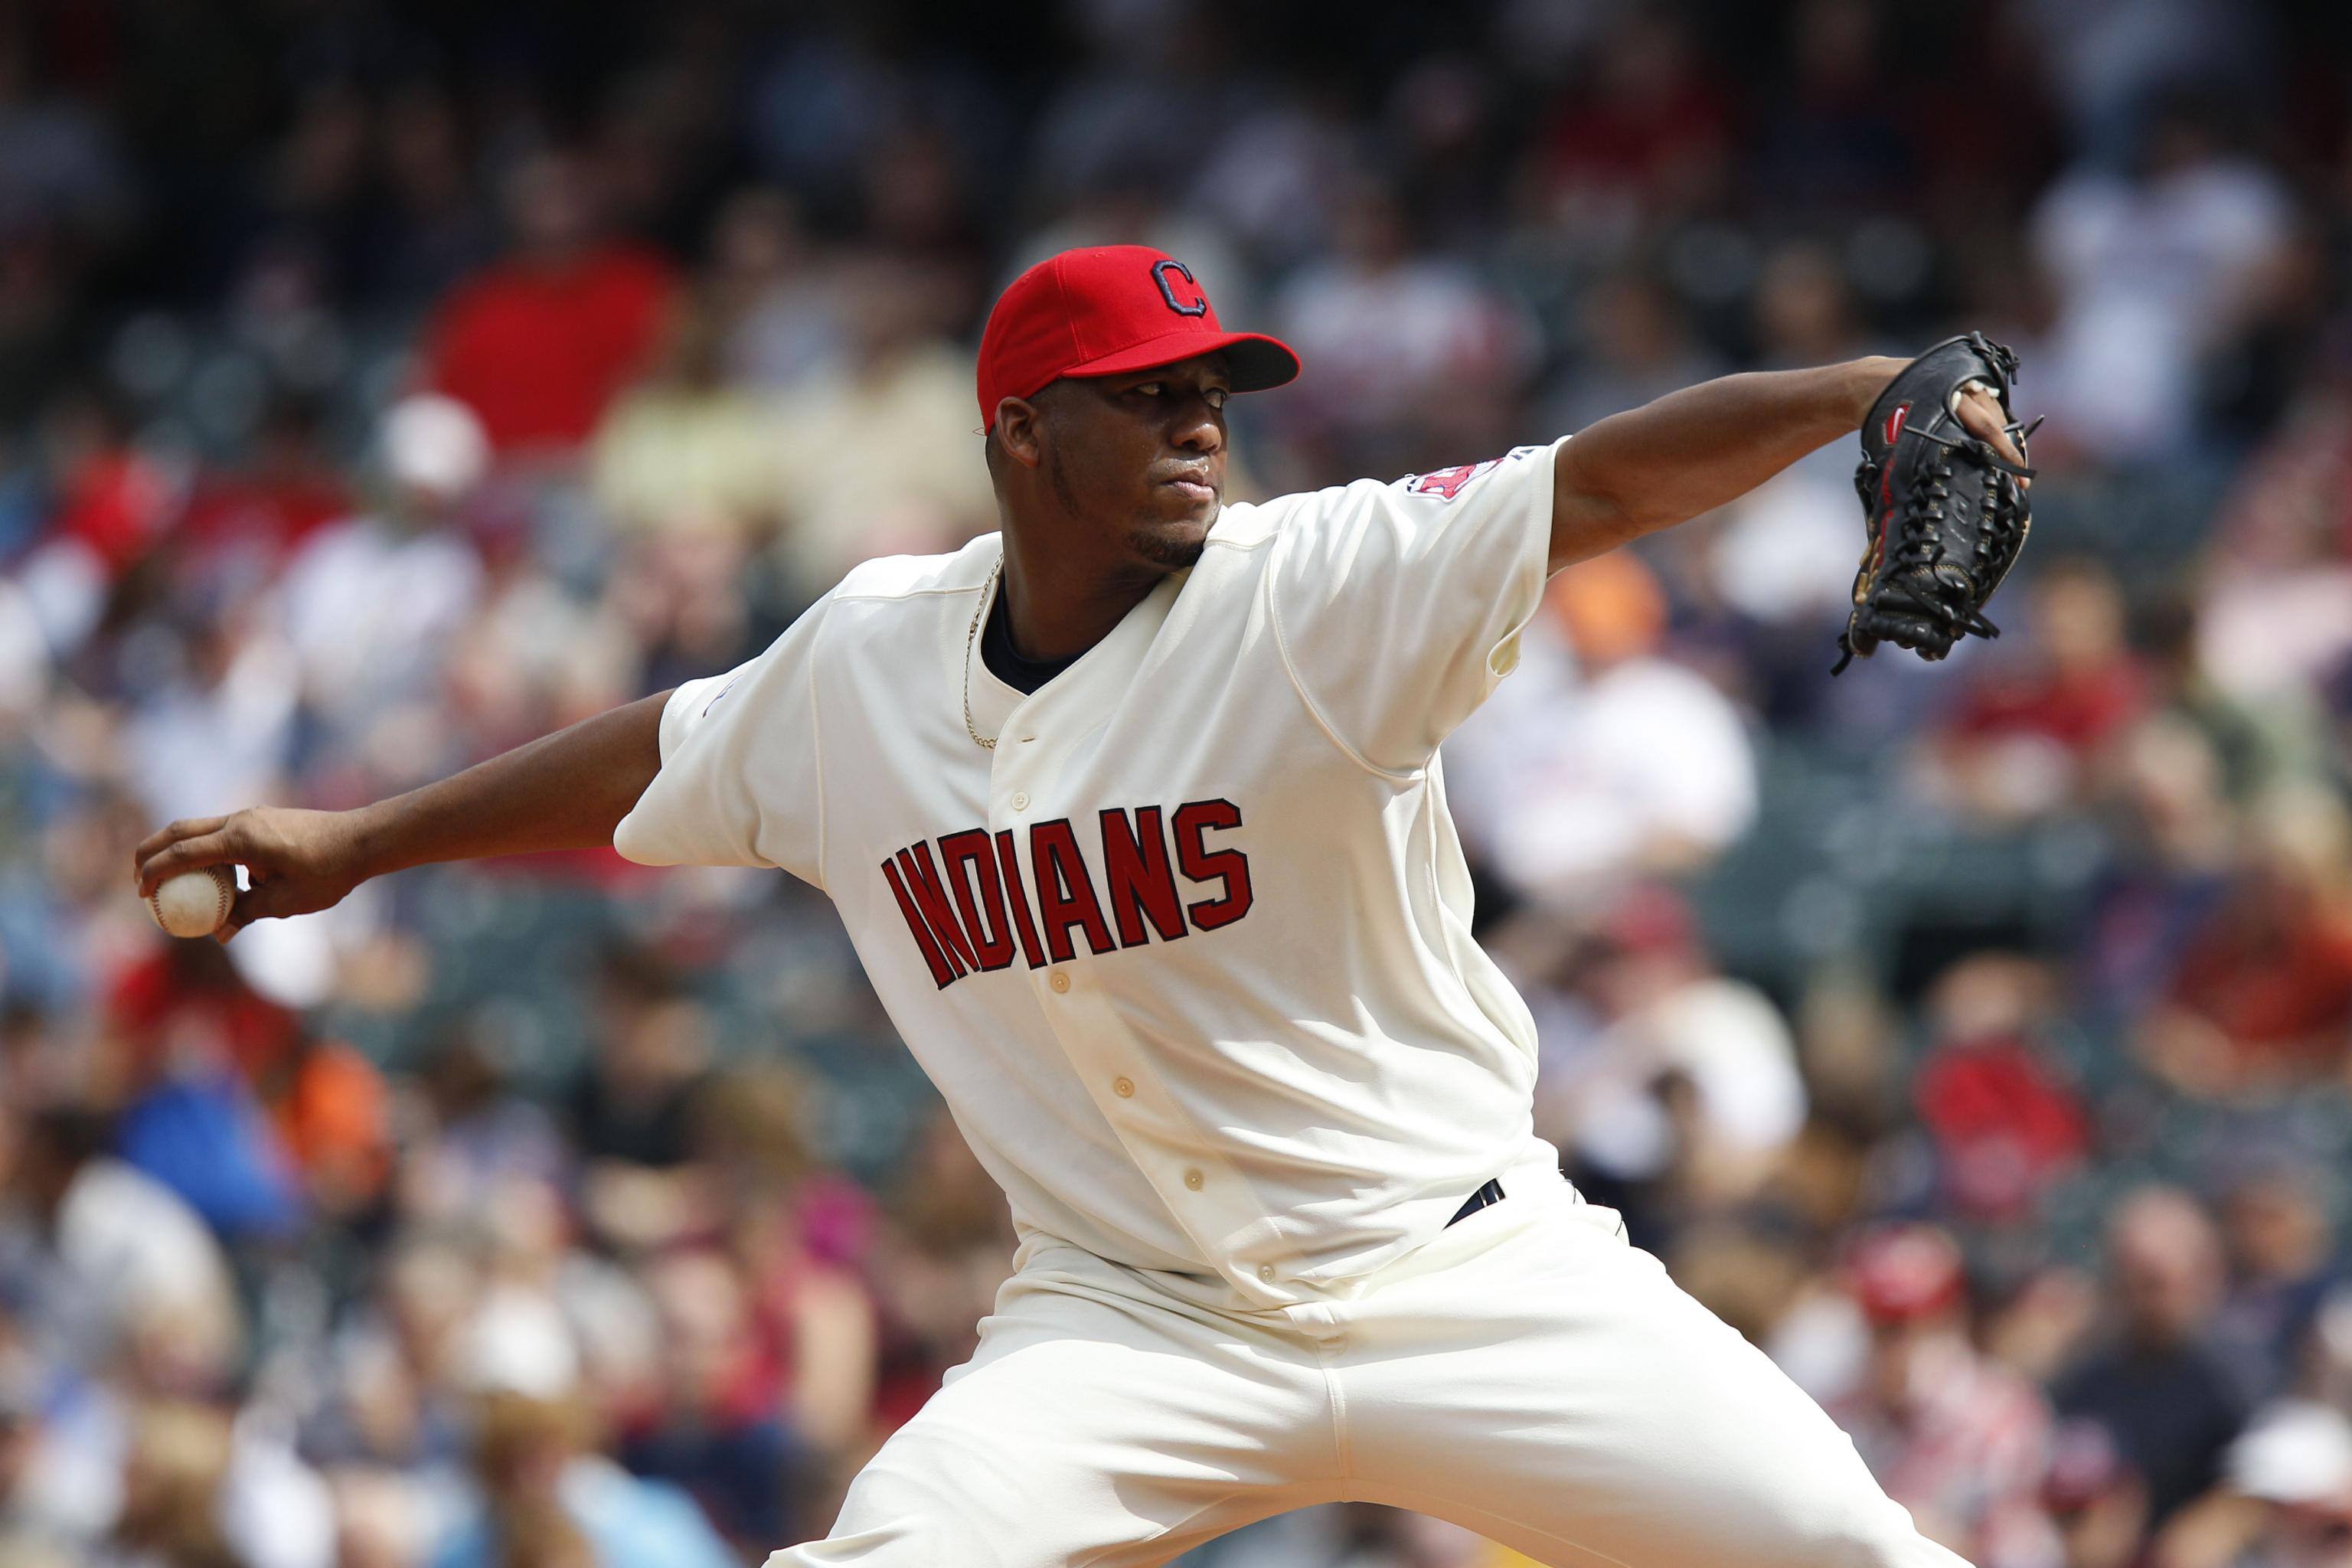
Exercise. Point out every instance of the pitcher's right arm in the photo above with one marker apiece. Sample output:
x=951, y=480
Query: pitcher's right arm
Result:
x=565, y=791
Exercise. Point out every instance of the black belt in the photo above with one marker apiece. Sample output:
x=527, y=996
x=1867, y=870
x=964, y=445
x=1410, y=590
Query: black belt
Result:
x=1492, y=1192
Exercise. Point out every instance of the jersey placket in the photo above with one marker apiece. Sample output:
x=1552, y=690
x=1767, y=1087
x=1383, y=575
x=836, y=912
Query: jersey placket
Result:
x=1049, y=764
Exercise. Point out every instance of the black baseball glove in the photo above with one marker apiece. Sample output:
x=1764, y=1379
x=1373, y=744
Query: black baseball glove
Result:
x=1946, y=512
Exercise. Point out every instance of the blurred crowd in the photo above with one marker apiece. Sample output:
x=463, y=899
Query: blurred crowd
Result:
x=384, y=385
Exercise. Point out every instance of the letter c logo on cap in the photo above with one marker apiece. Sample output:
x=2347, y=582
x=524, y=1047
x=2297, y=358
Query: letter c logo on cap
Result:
x=1159, y=272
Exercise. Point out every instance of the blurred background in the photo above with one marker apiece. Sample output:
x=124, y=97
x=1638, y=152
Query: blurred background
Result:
x=381, y=385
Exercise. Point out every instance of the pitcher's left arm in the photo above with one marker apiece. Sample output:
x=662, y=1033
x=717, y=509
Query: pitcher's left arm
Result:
x=1694, y=450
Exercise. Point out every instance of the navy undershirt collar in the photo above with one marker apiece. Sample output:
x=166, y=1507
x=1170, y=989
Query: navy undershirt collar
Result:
x=1005, y=662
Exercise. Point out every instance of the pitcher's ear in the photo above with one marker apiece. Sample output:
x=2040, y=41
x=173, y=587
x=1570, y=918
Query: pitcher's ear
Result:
x=1016, y=434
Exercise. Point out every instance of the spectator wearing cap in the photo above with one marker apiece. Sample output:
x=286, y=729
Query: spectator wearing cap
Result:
x=196, y=1039
x=2156, y=1384
x=369, y=604
x=1953, y=1436
x=2286, y=1498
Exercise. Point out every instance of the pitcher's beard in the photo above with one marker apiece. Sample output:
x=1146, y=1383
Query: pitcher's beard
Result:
x=1171, y=552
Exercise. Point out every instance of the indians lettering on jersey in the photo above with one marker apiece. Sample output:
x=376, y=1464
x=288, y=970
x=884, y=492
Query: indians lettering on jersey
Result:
x=970, y=906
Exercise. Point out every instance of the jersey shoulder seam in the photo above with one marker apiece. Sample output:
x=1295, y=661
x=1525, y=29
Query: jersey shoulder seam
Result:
x=1258, y=531
x=937, y=592
x=1314, y=709
x=893, y=578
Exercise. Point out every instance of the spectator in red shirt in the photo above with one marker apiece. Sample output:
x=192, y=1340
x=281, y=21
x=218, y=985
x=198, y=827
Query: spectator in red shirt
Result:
x=290, y=486
x=2030, y=727
x=538, y=343
x=184, y=999
x=2005, y=1123
x=1952, y=1435
x=2262, y=1000
x=1652, y=134
x=113, y=501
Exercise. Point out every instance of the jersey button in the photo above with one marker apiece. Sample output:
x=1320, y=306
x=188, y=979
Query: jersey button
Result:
x=1266, y=1272
x=1193, y=1179
x=1060, y=980
x=1020, y=800
x=1123, y=1086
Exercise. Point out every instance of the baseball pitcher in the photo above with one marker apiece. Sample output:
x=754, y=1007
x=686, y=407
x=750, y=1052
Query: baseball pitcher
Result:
x=1134, y=811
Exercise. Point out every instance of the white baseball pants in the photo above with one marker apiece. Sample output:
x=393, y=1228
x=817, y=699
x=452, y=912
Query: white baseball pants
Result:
x=1526, y=1374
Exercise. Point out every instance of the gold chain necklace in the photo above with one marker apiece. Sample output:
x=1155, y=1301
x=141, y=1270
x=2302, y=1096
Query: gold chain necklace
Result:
x=972, y=640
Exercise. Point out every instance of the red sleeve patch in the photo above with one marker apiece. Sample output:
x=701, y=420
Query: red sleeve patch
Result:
x=1447, y=482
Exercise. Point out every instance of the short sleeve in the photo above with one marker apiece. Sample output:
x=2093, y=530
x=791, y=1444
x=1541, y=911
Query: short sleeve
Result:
x=741, y=781
x=1399, y=605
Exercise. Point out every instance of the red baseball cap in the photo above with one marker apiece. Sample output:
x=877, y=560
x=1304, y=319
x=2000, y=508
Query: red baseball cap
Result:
x=1106, y=309
x=1902, y=1272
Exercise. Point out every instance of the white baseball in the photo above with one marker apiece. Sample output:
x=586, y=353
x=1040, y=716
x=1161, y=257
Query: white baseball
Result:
x=195, y=903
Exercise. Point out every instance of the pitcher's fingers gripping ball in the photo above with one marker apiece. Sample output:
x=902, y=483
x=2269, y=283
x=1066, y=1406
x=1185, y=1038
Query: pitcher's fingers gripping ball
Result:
x=1943, y=490
x=195, y=903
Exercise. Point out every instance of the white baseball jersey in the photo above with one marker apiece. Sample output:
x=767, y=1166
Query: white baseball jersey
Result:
x=1188, y=953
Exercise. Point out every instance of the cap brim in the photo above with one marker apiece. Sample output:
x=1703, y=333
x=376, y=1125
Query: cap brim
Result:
x=1255, y=360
